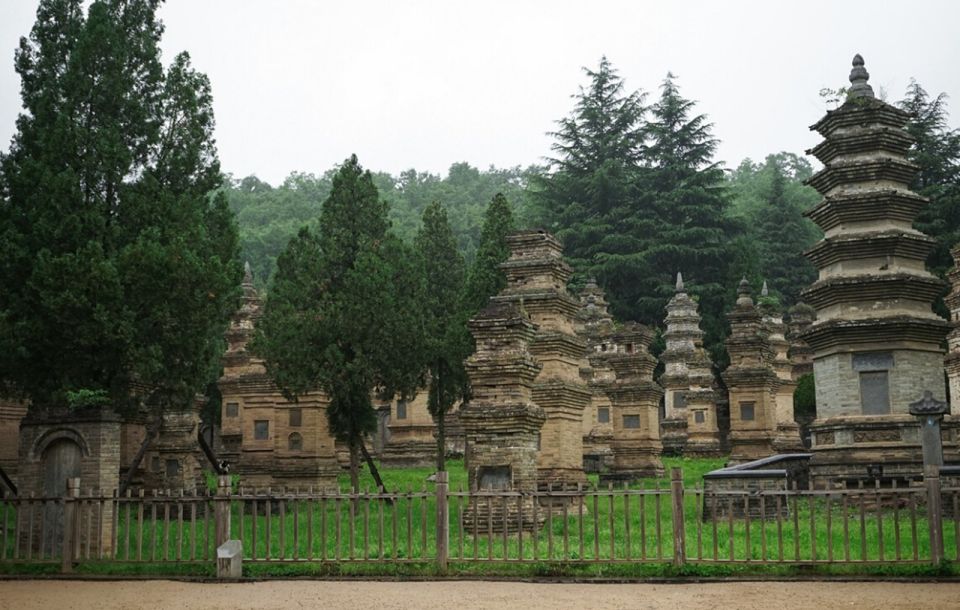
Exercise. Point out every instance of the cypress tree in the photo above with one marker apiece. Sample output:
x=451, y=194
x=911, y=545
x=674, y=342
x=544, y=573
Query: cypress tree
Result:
x=446, y=341
x=343, y=314
x=119, y=266
x=485, y=279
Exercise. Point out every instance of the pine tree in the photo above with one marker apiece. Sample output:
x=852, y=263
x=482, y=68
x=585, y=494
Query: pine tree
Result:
x=343, y=313
x=588, y=186
x=682, y=214
x=936, y=151
x=119, y=266
x=447, y=342
x=485, y=279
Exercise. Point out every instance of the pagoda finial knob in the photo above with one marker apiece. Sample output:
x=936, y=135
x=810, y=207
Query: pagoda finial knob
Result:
x=764, y=292
x=858, y=80
x=743, y=293
x=679, y=287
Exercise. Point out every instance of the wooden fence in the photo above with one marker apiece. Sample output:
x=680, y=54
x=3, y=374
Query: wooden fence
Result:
x=658, y=524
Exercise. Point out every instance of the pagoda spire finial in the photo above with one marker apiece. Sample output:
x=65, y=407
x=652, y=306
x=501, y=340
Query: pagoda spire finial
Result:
x=858, y=80
x=743, y=293
x=679, y=287
x=764, y=292
x=247, y=273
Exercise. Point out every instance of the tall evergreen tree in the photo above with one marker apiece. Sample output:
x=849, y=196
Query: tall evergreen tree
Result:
x=119, y=267
x=446, y=341
x=588, y=186
x=936, y=151
x=343, y=313
x=682, y=214
x=485, y=278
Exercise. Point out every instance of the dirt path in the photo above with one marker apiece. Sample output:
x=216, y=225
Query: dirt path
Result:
x=67, y=595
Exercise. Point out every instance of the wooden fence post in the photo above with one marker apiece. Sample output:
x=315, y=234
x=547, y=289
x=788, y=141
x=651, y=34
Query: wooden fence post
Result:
x=679, y=535
x=931, y=480
x=70, y=529
x=221, y=510
x=443, y=520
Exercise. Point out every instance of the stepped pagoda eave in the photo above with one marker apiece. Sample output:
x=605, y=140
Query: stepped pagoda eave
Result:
x=892, y=242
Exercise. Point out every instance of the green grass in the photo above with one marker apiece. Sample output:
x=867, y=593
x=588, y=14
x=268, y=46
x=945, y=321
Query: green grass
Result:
x=382, y=544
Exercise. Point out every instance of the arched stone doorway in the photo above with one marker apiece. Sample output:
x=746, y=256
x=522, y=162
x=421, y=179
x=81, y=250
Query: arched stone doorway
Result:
x=60, y=461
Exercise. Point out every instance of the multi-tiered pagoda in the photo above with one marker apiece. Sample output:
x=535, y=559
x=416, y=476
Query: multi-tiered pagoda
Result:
x=501, y=423
x=594, y=325
x=876, y=341
x=537, y=281
x=787, y=437
x=689, y=426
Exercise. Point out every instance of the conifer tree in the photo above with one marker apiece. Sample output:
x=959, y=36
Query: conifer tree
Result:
x=343, y=314
x=485, y=279
x=118, y=265
x=446, y=341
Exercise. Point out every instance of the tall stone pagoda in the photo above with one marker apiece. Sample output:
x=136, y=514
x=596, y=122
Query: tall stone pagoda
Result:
x=801, y=316
x=537, y=281
x=635, y=400
x=876, y=341
x=501, y=423
x=952, y=361
x=689, y=426
x=267, y=439
x=594, y=325
x=752, y=382
x=787, y=437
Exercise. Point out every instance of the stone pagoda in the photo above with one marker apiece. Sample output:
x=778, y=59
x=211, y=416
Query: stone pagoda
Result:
x=265, y=438
x=635, y=401
x=689, y=426
x=410, y=438
x=752, y=382
x=594, y=325
x=801, y=316
x=952, y=361
x=876, y=341
x=537, y=281
x=787, y=437
x=501, y=423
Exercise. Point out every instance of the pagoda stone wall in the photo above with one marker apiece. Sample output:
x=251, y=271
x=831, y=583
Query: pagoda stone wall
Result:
x=752, y=382
x=266, y=439
x=594, y=325
x=952, y=361
x=635, y=399
x=501, y=423
x=411, y=441
x=173, y=459
x=537, y=282
x=876, y=341
x=787, y=436
x=11, y=414
x=689, y=426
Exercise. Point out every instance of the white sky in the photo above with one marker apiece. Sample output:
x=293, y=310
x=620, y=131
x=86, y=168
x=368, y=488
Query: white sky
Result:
x=300, y=85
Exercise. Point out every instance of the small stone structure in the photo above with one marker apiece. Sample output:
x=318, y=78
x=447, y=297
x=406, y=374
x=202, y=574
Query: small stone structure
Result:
x=11, y=414
x=876, y=341
x=775, y=473
x=268, y=440
x=410, y=441
x=537, y=281
x=501, y=423
x=594, y=325
x=752, y=382
x=635, y=399
x=689, y=426
x=174, y=460
x=801, y=316
x=787, y=436
x=952, y=361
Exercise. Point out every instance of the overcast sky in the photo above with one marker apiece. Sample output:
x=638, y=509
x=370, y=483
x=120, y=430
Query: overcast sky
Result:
x=300, y=85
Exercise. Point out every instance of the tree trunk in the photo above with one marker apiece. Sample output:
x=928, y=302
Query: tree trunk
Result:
x=373, y=468
x=138, y=457
x=354, y=467
x=441, y=440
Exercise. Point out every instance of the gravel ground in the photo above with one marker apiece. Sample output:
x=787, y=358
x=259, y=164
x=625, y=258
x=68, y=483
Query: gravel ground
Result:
x=468, y=595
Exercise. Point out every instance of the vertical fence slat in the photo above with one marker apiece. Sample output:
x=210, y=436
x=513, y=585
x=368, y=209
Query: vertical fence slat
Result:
x=781, y=503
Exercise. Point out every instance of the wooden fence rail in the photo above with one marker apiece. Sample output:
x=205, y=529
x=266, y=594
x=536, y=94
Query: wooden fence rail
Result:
x=652, y=523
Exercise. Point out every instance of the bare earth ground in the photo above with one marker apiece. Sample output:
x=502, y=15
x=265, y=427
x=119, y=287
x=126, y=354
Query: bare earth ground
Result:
x=468, y=595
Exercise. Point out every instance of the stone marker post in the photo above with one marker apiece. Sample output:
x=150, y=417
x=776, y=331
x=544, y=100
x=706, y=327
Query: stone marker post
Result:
x=931, y=480
x=221, y=509
x=930, y=411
